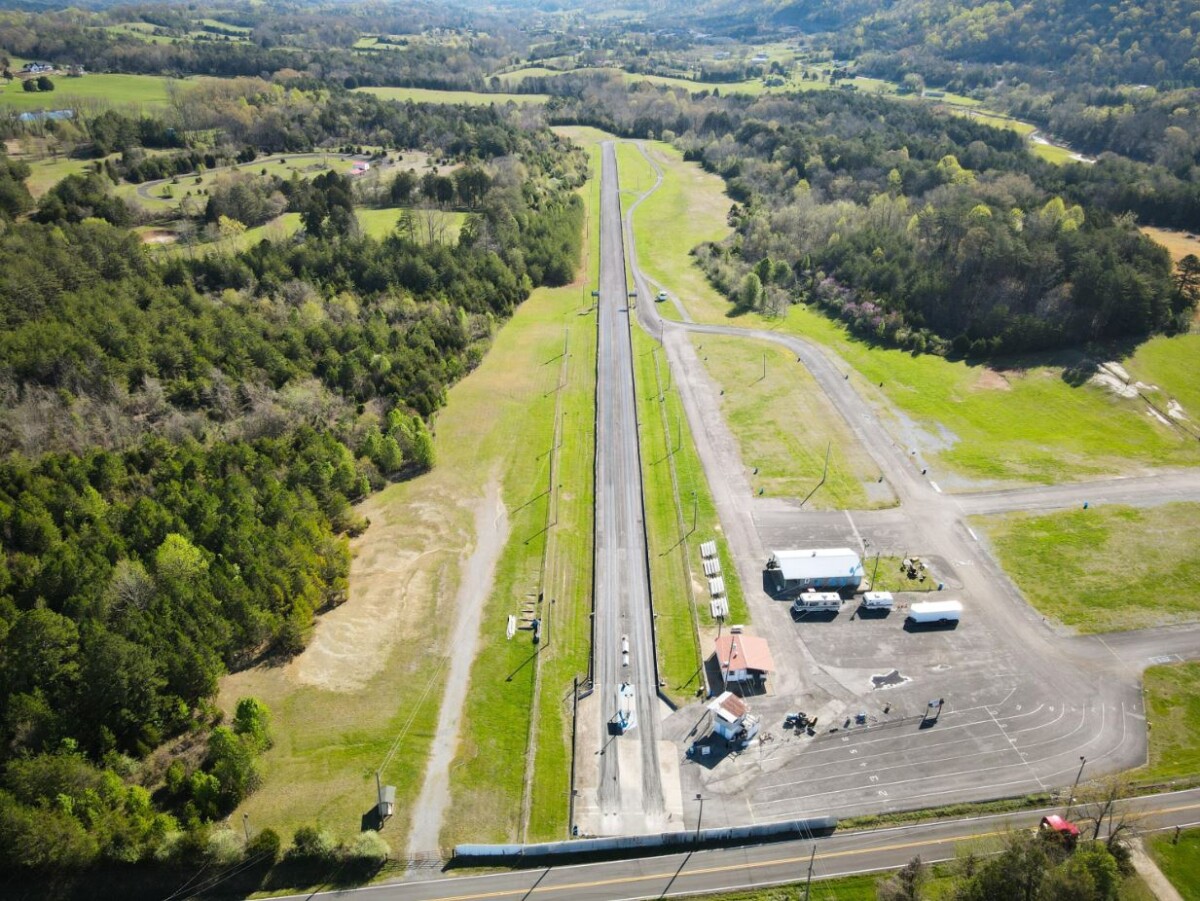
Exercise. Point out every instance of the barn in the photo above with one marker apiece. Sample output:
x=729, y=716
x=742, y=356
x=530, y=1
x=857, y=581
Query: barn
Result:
x=816, y=569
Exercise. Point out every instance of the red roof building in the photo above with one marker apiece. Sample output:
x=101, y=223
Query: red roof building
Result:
x=743, y=658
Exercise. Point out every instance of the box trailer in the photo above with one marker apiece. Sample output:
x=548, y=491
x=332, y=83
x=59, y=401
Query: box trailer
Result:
x=935, y=612
x=817, y=601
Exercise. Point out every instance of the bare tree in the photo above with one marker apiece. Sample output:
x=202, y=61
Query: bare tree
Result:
x=1103, y=810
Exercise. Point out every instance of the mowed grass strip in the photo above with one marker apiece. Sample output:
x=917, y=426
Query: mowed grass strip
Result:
x=569, y=574
x=470, y=98
x=1106, y=568
x=666, y=441
x=487, y=776
x=784, y=424
x=688, y=209
x=1173, y=712
x=1179, y=860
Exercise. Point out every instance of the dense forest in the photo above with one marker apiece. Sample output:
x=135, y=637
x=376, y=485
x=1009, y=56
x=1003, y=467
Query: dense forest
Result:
x=185, y=439
x=930, y=231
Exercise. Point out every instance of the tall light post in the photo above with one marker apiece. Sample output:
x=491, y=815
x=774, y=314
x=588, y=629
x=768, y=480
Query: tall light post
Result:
x=699, y=816
x=1071, y=797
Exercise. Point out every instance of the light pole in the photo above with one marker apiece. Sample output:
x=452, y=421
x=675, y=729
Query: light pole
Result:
x=699, y=816
x=1071, y=797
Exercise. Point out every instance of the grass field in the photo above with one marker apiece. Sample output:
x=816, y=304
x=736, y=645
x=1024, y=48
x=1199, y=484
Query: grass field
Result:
x=1179, y=243
x=114, y=90
x=1107, y=568
x=470, y=98
x=1180, y=862
x=784, y=423
x=975, y=423
x=1173, y=711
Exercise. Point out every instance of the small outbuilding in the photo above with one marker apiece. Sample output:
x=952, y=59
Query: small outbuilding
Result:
x=815, y=569
x=743, y=658
x=732, y=719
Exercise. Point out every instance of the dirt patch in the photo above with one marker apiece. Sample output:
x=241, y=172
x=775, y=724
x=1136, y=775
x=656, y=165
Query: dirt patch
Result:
x=159, y=236
x=491, y=533
x=396, y=561
x=992, y=380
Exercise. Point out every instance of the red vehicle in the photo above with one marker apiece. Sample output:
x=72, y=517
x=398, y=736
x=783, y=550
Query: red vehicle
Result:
x=1068, y=833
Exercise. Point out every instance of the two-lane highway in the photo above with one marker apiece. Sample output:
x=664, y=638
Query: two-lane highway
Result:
x=729, y=869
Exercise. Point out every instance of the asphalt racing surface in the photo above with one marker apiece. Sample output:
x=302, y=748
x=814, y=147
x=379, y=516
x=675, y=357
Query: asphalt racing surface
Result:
x=629, y=792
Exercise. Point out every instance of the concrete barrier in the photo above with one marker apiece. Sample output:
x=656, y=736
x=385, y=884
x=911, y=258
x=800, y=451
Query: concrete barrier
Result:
x=665, y=841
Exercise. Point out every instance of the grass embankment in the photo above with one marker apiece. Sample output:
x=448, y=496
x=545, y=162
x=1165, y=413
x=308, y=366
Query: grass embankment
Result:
x=784, y=424
x=334, y=728
x=1173, y=711
x=676, y=491
x=1107, y=568
x=471, y=98
x=1024, y=423
x=1179, y=862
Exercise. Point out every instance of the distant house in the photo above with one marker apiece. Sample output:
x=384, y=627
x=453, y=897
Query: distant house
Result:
x=36, y=68
x=360, y=168
x=53, y=115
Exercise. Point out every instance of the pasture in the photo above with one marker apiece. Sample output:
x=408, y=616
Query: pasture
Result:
x=1106, y=568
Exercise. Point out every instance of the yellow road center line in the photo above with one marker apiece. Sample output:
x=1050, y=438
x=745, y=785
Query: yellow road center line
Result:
x=747, y=865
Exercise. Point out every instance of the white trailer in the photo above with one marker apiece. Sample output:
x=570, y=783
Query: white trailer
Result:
x=817, y=602
x=878, y=600
x=935, y=612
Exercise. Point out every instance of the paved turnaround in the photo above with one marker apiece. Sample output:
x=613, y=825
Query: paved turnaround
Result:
x=628, y=793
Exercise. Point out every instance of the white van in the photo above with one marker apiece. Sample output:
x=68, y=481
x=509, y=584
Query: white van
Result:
x=878, y=600
x=817, y=601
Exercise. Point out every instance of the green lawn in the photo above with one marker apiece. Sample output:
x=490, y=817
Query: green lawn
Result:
x=115, y=90
x=1173, y=714
x=1107, y=568
x=1180, y=862
x=471, y=98
x=784, y=424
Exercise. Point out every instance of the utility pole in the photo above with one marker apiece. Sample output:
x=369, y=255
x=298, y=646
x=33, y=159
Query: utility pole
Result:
x=1071, y=797
x=700, y=816
x=695, y=510
x=764, y=377
x=808, y=882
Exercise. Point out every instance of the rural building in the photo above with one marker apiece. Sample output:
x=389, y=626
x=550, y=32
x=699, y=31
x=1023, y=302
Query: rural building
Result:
x=360, y=168
x=818, y=569
x=743, y=658
x=36, y=68
x=731, y=718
